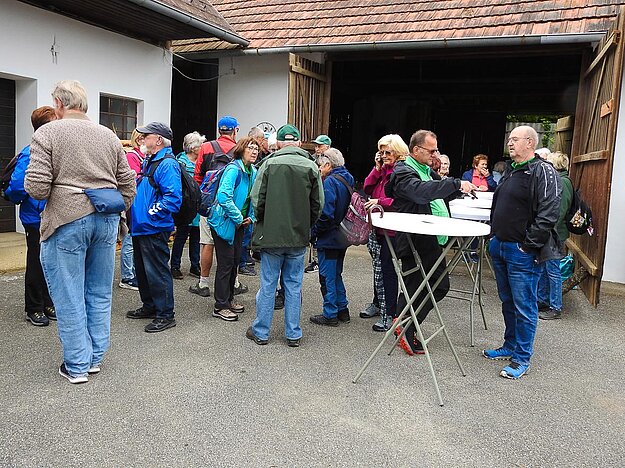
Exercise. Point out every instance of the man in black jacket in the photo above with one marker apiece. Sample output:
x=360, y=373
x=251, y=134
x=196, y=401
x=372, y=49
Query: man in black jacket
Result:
x=415, y=188
x=525, y=209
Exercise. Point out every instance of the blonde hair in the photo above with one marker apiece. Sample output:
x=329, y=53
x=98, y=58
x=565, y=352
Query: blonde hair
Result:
x=396, y=144
x=72, y=94
x=559, y=160
x=133, y=138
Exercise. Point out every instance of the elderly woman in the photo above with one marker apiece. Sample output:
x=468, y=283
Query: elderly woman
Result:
x=550, y=282
x=331, y=243
x=191, y=145
x=479, y=174
x=229, y=217
x=443, y=171
x=391, y=148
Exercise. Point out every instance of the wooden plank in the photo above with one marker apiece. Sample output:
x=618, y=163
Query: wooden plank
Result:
x=594, y=156
x=327, y=92
x=613, y=40
x=302, y=71
x=594, y=105
x=292, y=78
x=592, y=269
x=565, y=123
x=606, y=108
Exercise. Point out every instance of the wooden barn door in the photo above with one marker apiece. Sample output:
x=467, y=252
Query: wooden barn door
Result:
x=593, y=150
x=309, y=97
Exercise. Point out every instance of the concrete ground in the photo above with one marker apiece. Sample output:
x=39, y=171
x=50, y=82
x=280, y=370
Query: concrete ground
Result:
x=202, y=395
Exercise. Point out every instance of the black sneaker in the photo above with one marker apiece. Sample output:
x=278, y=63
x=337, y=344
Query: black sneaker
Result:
x=203, y=291
x=194, y=271
x=159, y=325
x=293, y=343
x=247, y=271
x=323, y=320
x=279, y=304
x=241, y=289
x=140, y=313
x=50, y=312
x=72, y=379
x=343, y=316
x=176, y=273
x=312, y=267
x=38, y=318
x=550, y=314
x=250, y=335
x=542, y=307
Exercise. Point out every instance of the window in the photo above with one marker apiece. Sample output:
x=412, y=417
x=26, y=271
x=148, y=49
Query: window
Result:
x=119, y=114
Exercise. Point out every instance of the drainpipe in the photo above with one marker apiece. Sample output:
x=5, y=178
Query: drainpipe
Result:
x=500, y=41
x=186, y=18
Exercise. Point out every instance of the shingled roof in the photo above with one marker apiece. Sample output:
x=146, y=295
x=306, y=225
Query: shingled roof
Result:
x=289, y=23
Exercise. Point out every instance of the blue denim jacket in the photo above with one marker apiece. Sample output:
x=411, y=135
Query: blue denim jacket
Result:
x=30, y=209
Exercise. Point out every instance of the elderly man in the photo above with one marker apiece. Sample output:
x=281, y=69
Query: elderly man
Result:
x=287, y=198
x=331, y=243
x=322, y=143
x=159, y=194
x=525, y=209
x=78, y=240
x=416, y=188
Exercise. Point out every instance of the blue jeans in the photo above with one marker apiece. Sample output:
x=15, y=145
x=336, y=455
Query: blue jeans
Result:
x=289, y=264
x=156, y=286
x=182, y=233
x=517, y=275
x=550, y=284
x=126, y=260
x=331, y=280
x=78, y=261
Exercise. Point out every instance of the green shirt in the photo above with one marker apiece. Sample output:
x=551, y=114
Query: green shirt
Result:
x=437, y=206
x=516, y=165
x=246, y=206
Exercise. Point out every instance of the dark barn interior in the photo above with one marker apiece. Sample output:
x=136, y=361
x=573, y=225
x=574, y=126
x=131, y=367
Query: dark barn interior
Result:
x=464, y=96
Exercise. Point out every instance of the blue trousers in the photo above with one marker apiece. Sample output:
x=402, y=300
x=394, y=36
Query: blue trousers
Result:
x=331, y=280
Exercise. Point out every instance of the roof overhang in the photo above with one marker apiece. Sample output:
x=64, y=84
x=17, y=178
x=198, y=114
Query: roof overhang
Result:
x=151, y=21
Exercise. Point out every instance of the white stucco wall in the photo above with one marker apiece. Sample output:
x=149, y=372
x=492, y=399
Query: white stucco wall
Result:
x=103, y=61
x=256, y=92
x=614, y=264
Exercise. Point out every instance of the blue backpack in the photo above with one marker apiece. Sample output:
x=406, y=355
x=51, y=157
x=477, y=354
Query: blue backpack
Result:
x=209, y=187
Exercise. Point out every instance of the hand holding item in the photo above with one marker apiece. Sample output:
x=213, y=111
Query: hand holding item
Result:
x=378, y=160
x=466, y=186
x=372, y=201
x=482, y=188
x=246, y=222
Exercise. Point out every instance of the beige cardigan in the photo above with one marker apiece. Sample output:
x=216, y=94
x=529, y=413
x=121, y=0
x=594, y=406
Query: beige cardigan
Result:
x=75, y=152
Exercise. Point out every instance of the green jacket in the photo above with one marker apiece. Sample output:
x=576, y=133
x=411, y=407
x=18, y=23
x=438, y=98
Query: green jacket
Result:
x=565, y=203
x=287, y=198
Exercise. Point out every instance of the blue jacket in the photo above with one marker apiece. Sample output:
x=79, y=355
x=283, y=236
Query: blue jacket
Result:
x=230, y=198
x=337, y=199
x=490, y=182
x=30, y=209
x=151, y=210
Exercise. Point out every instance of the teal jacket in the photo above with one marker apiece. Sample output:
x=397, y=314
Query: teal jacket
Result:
x=234, y=189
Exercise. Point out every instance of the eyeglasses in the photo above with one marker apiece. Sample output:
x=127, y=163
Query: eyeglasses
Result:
x=431, y=151
x=253, y=147
x=515, y=139
x=385, y=152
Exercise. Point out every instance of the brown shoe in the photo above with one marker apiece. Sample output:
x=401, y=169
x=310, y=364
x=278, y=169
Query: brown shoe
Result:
x=225, y=314
x=237, y=307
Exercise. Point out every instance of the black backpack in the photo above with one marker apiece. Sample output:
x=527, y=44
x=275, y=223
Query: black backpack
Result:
x=217, y=159
x=191, y=195
x=578, y=218
x=5, y=178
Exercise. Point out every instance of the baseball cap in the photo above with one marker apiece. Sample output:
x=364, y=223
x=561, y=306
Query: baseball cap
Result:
x=288, y=133
x=323, y=140
x=227, y=123
x=158, y=128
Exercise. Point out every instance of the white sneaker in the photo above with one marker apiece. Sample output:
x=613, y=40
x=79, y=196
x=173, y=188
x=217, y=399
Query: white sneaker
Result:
x=72, y=379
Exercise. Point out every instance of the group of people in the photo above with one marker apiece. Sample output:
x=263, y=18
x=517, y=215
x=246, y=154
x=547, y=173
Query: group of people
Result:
x=75, y=236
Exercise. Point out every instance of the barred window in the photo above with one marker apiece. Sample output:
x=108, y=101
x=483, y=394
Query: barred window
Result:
x=119, y=114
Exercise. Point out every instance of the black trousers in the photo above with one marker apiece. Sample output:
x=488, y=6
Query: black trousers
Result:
x=36, y=295
x=227, y=263
x=414, y=280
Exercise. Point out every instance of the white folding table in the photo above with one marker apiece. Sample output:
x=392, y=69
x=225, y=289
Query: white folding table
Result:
x=432, y=226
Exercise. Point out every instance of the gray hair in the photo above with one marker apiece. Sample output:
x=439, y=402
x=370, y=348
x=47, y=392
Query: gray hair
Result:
x=446, y=157
x=166, y=142
x=282, y=144
x=192, y=141
x=72, y=95
x=256, y=132
x=332, y=156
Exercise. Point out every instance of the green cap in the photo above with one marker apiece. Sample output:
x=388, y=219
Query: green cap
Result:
x=288, y=133
x=323, y=140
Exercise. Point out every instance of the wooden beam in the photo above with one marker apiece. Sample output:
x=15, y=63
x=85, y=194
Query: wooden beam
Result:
x=302, y=71
x=611, y=42
x=325, y=106
x=582, y=258
x=594, y=156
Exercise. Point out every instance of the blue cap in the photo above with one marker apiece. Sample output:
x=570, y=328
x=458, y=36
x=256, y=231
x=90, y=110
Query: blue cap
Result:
x=157, y=128
x=227, y=123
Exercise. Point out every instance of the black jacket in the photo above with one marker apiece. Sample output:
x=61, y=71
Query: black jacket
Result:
x=545, y=191
x=410, y=194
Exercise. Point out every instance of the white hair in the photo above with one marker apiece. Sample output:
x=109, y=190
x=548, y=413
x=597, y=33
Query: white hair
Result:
x=332, y=156
x=72, y=95
x=166, y=142
x=192, y=141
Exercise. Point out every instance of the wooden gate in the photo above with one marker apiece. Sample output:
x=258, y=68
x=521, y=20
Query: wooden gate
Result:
x=7, y=147
x=309, y=97
x=593, y=150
